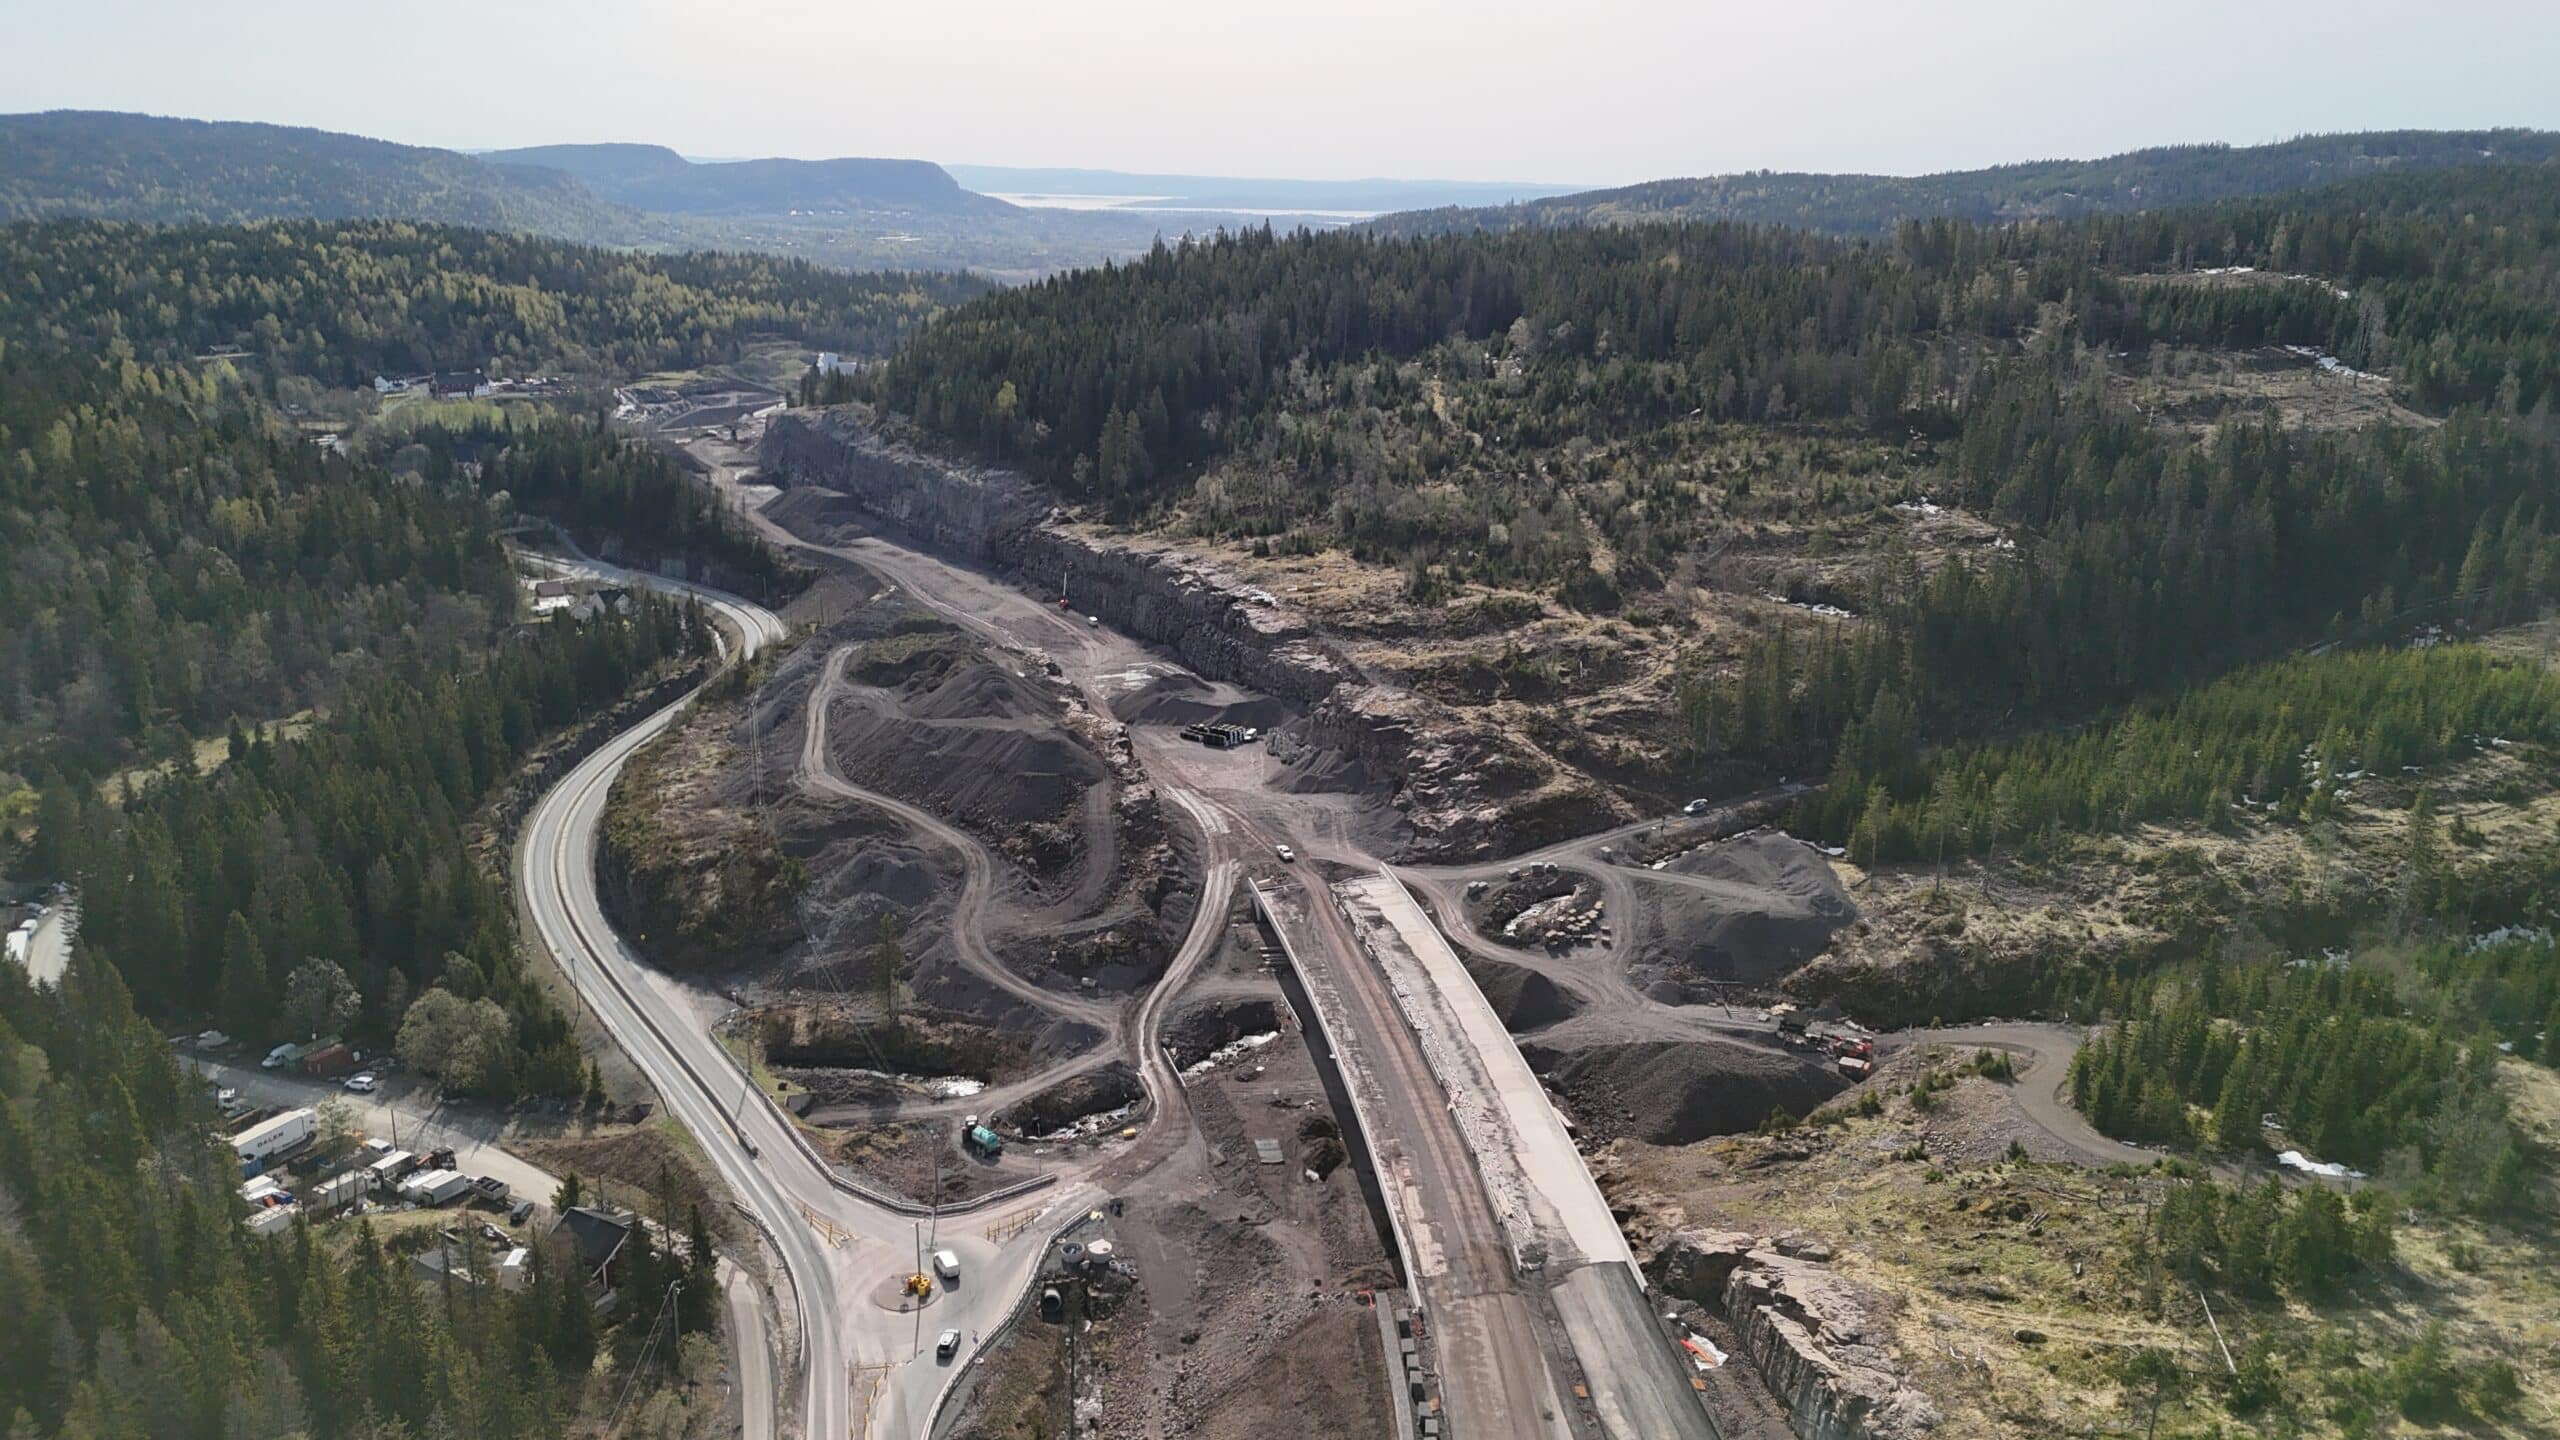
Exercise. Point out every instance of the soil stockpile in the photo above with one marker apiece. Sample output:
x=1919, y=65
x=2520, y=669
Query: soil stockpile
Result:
x=1163, y=695
x=1750, y=909
x=1525, y=999
x=1672, y=1092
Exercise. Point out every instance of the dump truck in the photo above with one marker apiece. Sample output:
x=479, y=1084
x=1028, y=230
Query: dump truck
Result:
x=1857, y=1067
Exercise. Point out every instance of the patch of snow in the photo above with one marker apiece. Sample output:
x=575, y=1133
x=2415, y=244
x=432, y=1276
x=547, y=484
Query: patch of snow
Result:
x=1920, y=507
x=940, y=1087
x=2505, y=934
x=2327, y=1169
x=2330, y=363
x=1813, y=607
x=1227, y=1052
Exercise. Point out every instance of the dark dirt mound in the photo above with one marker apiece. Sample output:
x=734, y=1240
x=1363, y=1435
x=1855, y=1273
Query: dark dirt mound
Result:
x=1525, y=999
x=1751, y=909
x=1673, y=1092
x=1320, y=770
x=1199, y=1030
x=983, y=691
x=1166, y=696
x=1773, y=862
x=1095, y=1092
x=995, y=774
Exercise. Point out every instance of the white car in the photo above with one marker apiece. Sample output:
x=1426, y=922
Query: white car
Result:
x=1287, y=855
x=1694, y=807
x=275, y=1057
x=364, y=1084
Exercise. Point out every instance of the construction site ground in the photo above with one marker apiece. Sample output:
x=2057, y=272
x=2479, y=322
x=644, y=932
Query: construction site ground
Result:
x=1244, y=1309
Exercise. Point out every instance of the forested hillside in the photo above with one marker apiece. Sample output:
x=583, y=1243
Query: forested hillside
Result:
x=176, y=556
x=861, y=214
x=360, y=860
x=179, y=556
x=1590, y=412
x=140, y=1308
x=2169, y=176
x=144, y=167
x=343, y=302
x=653, y=177
x=185, y=566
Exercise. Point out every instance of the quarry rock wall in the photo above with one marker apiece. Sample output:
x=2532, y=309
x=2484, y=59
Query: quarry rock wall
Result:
x=1001, y=521
x=1816, y=1339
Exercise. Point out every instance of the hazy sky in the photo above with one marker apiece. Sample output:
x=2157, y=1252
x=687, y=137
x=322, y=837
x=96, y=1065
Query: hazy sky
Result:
x=1597, y=91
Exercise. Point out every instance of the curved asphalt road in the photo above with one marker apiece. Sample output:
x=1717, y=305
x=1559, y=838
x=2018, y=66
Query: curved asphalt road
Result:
x=843, y=1251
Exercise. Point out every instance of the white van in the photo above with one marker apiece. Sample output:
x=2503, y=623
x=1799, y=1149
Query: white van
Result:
x=946, y=1263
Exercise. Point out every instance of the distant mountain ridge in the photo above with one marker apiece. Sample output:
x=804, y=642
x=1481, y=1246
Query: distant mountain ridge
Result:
x=653, y=177
x=2045, y=189
x=143, y=167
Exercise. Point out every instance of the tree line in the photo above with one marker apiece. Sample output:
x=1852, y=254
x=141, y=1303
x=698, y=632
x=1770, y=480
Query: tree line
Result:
x=2138, y=564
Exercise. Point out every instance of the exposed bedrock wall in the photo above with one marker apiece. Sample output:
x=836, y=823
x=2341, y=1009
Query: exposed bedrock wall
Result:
x=1001, y=520
x=1819, y=1341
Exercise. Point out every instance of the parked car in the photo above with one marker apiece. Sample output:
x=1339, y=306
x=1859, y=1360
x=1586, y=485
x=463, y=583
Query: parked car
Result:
x=364, y=1084
x=947, y=1345
x=226, y=1097
x=275, y=1057
x=1694, y=807
x=522, y=1212
x=212, y=1040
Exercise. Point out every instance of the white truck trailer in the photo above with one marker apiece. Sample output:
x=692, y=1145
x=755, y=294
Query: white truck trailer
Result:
x=275, y=1135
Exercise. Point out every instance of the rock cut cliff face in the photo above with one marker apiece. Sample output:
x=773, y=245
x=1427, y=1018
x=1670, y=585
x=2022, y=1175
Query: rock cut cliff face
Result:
x=1009, y=523
x=1463, y=788
x=1818, y=1339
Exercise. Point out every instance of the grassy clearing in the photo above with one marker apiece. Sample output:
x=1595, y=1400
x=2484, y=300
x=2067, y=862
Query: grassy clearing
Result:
x=2020, y=1288
x=208, y=755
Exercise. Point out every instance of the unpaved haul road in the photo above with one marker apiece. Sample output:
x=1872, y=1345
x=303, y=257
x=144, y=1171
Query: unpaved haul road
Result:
x=977, y=881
